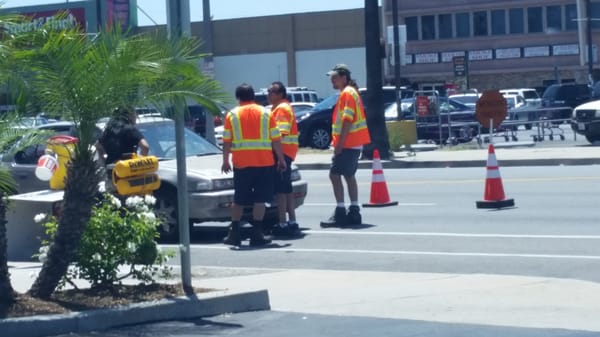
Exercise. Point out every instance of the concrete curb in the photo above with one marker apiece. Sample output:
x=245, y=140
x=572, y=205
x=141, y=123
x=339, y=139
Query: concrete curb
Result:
x=399, y=163
x=203, y=305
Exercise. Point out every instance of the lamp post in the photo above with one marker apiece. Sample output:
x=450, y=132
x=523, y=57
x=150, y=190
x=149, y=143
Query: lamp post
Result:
x=588, y=15
x=178, y=25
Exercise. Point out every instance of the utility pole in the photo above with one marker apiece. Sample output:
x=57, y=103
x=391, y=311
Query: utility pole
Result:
x=374, y=115
x=396, y=57
x=588, y=27
x=208, y=65
x=178, y=25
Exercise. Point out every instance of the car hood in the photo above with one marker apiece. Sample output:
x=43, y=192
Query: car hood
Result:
x=208, y=167
x=590, y=105
x=203, y=166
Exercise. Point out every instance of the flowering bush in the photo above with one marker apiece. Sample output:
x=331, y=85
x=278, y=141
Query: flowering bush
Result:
x=116, y=236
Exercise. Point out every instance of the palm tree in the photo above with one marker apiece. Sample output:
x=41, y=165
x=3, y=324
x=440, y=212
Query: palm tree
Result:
x=7, y=137
x=84, y=78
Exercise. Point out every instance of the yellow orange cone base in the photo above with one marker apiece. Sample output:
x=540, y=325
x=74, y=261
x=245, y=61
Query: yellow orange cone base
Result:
x=494, y=192
x=379, y=192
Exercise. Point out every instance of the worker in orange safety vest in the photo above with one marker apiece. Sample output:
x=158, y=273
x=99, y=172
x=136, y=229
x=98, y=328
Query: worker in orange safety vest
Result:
x=349, y=133
x=286, y=122
x=251, y=136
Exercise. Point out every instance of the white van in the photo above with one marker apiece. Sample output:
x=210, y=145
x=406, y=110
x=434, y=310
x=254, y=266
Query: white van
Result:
x=294, y=94
x=530, y=95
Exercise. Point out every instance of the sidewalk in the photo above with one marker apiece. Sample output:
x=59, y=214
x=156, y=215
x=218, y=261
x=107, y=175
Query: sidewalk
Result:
x=448, y=157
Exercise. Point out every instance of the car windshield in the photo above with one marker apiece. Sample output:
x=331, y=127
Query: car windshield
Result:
x=161, y=138
x=327, y=103
x=466, y=99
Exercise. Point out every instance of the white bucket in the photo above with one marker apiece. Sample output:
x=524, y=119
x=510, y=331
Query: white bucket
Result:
x=46, y=166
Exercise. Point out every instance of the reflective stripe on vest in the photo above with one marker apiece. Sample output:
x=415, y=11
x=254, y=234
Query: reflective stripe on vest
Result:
x=241, y=144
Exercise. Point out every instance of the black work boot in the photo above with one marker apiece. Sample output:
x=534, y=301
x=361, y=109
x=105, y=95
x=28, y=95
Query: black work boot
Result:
x=257, y=238
x=233, y=237
x=353, y=217
x=338, y=219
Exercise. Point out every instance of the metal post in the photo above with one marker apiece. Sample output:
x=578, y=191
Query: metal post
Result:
x=209, y=126
x=397, y=58
x=588, y=27
x=178, y=24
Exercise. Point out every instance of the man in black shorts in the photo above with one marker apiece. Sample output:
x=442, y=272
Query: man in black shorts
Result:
x=250, y=136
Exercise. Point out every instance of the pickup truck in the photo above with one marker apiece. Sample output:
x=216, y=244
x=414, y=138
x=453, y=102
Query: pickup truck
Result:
x=586, y=120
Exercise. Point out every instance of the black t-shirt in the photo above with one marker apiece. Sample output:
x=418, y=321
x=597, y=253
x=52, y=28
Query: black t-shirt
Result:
x=120, y=137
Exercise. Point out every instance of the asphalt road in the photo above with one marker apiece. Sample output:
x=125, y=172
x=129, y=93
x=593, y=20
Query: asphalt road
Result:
x=552, y=232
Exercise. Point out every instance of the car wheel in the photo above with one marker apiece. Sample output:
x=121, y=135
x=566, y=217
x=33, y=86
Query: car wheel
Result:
x=592, y=138
x=166, y=209
x=320, y=137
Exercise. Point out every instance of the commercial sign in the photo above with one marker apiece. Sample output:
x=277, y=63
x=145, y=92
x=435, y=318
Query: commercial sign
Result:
x=427, y=58
x=480, y=55
x=460, y=66
x=565, y=49
x=508, y=53
x=449, y=56
x=73, y=17
x=536, y=51
x=120, y=12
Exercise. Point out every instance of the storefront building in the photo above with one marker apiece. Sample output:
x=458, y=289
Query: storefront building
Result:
x=518, y=43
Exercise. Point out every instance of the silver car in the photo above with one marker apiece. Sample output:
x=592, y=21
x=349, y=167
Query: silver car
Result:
x=210, y=192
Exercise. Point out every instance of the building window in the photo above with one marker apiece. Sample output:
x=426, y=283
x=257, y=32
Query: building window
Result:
x=571, y=17
x=595, y=14
x=516, y=19
x=428, y=27
x=463, y=25
x=445, y=26
x=554, y=18
x=480, y=24
x=498, y=22
x=535, y=22
x=412, y=28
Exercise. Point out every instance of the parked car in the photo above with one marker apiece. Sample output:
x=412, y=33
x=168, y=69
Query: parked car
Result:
x=531, y=96
x=210, y=192
x=586, y=121
x=294, y=94
x=468, y=99
x=314, y=126
x=559, y=100
x=463, y=128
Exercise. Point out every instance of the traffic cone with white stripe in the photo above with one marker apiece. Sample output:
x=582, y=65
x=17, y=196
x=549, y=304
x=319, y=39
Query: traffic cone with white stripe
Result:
x=494, y=192
x=379, y=191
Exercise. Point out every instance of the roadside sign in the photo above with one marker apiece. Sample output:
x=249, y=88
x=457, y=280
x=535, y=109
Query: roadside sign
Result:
x=422, y=106
x=491, y=106
x=460, y=66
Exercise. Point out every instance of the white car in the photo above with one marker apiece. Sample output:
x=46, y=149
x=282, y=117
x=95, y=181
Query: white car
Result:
x=530, y=95
x=468, y=99
x=210, y=192
x=514, y=101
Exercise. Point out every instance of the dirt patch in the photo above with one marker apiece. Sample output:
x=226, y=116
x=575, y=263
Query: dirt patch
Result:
x=62, y=302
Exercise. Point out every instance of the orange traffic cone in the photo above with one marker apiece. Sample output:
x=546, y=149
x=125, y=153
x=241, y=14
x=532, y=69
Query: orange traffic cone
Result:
x=379, y=191
x=494, y=192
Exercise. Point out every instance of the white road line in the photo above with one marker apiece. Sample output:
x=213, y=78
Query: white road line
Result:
x=409, y=252
x=466, y=235
x=316, y=204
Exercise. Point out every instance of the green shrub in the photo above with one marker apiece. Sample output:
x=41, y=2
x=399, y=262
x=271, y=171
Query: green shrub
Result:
x=117, y=235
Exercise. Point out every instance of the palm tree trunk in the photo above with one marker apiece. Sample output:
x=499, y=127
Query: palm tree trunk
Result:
x=7, y=294
x=80, y=193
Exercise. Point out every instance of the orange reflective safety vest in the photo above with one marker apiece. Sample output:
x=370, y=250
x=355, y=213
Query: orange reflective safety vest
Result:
x=250, y=128
x=286, y=122
x=349, y=107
